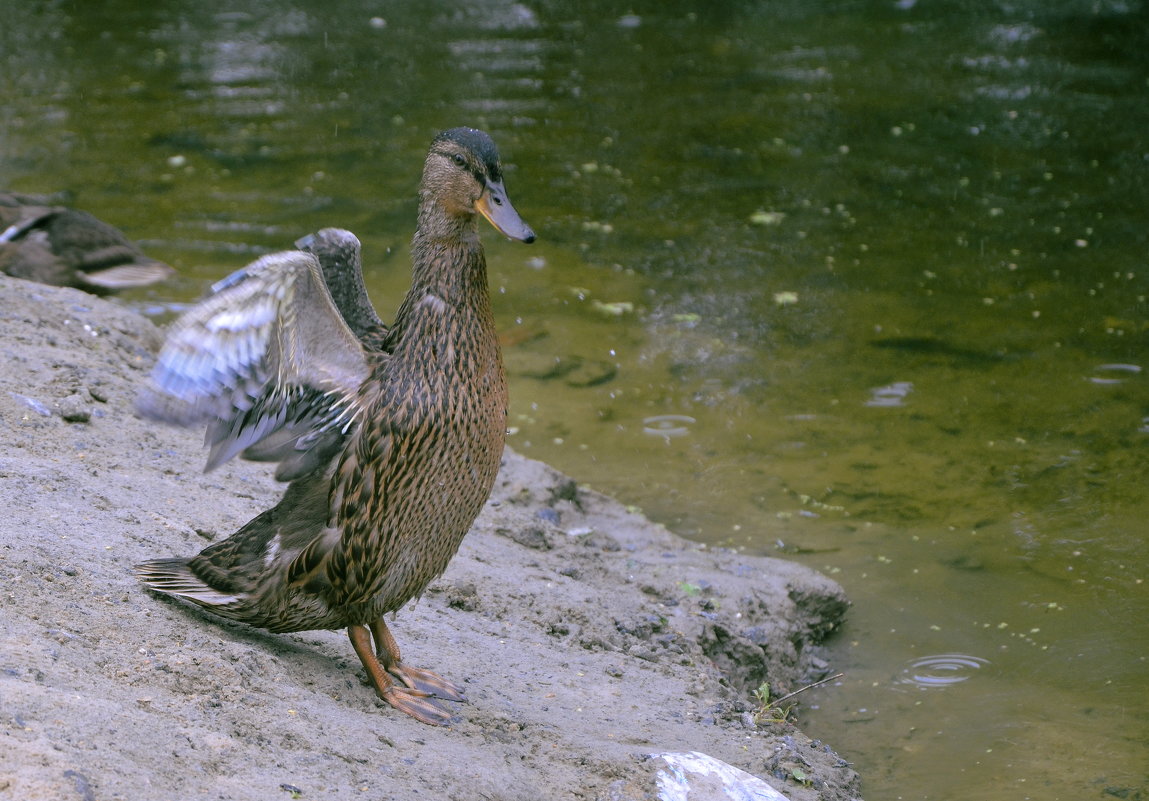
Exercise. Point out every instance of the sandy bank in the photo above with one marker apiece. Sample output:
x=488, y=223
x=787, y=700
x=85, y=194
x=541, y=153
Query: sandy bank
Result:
x=586, y=636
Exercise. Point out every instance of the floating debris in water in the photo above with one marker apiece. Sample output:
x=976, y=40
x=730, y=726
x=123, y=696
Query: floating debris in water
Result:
x=614, y=308
x=890, y=395
x=763, y=217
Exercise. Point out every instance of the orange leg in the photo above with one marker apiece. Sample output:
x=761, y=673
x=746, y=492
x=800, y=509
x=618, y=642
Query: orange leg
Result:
x=424, y=681
x=411, y=700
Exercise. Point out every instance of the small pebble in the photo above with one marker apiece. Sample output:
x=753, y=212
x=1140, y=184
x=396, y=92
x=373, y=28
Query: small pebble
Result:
x=548, y=514
x=82, y=784
x=75, y=409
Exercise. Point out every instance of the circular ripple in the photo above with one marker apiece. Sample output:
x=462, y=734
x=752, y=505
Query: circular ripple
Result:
x=940, y=670
x=668, y=425
x=1114, y=373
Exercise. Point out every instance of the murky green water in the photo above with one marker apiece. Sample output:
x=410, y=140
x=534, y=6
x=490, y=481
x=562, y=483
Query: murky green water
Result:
x=862, y=282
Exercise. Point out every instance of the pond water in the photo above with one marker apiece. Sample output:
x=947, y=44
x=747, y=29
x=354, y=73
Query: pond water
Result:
x=862, y=285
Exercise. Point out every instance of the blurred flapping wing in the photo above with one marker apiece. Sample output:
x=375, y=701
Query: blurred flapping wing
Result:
x=269, y=364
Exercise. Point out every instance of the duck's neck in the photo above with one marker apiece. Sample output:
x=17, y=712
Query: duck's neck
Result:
x=448, y=264
x=448, y=305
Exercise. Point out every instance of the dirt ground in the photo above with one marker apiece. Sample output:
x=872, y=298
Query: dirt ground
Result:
x=587, y=638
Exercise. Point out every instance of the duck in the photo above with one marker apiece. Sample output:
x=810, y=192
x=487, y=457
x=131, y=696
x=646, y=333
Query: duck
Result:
x=389, y=437
x=53, y=244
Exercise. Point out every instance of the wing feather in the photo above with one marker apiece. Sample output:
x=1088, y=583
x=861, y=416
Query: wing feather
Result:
x=266, y=356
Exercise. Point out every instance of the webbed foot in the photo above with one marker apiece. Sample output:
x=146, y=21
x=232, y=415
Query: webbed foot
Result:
x=417, y=705
x=427, y=682
x=418, y=688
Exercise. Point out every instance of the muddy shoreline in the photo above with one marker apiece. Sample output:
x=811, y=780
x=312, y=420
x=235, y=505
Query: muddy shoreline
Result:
x=587, y=638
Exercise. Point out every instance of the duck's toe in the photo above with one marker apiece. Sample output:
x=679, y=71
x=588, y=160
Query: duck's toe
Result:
x=417, y=705
x=428, y=682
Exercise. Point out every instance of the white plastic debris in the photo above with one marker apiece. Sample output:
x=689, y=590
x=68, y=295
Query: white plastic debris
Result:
x=693, y=776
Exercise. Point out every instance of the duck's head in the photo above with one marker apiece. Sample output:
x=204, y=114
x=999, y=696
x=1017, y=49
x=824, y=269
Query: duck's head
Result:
x=463, y=176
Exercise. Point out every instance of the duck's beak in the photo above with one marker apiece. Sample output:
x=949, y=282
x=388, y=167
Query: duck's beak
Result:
x=496, y=207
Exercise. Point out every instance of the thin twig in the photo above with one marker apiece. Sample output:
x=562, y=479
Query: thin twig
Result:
x=777, y=701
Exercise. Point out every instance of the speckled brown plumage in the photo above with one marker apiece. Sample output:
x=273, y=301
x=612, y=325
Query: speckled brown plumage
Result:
x=45, y=242
x=391, y=436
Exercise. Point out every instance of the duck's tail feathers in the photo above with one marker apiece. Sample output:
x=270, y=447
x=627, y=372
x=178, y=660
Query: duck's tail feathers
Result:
x=174, y=577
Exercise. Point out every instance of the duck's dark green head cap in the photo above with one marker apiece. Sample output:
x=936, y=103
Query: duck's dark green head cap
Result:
x=479, y=143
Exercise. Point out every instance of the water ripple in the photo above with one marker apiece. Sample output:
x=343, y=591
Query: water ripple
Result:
x=668, y=425
x=940, y=670
x=1114, y=373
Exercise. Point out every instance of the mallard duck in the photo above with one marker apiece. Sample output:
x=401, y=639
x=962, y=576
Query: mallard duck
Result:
x=44, y=242
x=391, y=444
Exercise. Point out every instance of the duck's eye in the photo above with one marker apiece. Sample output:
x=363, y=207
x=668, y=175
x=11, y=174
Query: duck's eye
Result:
x=462, y=162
